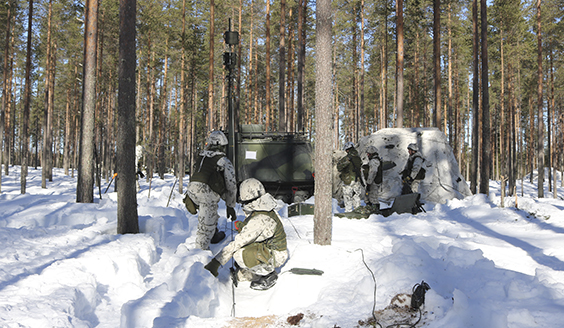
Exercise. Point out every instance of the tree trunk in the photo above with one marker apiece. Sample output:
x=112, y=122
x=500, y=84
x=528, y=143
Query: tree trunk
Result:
x=211, y=118
x=302, y=6
x=5, y=92
x=281, y=69
x=182, y=122
x=323, y=150
x=126, y=189
x=84, y=190
x=362, y=69
x=163, y=119
x=48, y=111
x=399, y=31
x=485, y=166
x=27, y=102
x=437, y=61
x=267, y=64
x=540, y=139
x=290, y=81
x=475, y=102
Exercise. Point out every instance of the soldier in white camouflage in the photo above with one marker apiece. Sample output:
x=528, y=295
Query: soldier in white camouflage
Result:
x=413, y=172
x=260, y=247
x=349, y=167
x=372, y=175
x=213, y=178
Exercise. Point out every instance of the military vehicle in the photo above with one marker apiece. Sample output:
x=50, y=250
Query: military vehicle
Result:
x=281, y=161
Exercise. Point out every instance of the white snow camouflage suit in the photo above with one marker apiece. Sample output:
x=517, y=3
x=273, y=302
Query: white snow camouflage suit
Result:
x=412, y=166
x=373, y=188
x=213, y=177
x=260, y=246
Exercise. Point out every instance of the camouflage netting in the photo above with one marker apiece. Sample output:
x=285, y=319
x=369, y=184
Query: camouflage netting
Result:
x=443, y=180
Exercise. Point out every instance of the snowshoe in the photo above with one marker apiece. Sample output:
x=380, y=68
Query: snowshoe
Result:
x=265, y=282
x=218, y=236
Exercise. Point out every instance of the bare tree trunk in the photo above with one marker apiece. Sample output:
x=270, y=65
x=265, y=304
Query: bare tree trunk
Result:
x=485, y=167
x=281, y=69
x=324, y=148
x=84, y=190
x=211, y=118
x=48, y=111
x=126, y=189
x=5, y=92
x=449, y=118
x=27, y=101
x=540, y=139
x=384, y=73
x=549, y=125
x=67, y=135
x=163, y=119
x=475, y=103
x=182, y=124
x=290, y=125
x=399, y=93
x=362, y=68
x=554, y=145
x=267, y=64
x=437, y=61
x=302, y=6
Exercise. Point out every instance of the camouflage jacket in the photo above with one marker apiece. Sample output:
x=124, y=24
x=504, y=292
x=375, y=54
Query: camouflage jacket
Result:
x=349, y=167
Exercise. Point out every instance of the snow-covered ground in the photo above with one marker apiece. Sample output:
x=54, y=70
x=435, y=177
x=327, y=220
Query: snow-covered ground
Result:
x=63, y=265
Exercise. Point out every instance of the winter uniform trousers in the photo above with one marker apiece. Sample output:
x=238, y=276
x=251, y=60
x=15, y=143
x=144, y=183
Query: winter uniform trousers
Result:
x=351, y=195
x=207, y=200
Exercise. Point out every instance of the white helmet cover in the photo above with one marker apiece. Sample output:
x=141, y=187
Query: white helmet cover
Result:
x=251, y=189
x=348, y=145
x=372, y=150
x=216, y=138
x=413, y=146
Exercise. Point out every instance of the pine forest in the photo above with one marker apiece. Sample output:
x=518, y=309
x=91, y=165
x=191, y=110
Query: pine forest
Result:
x=489, y=74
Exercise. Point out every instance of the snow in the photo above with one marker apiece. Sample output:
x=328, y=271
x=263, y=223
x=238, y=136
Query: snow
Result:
x=63, y=265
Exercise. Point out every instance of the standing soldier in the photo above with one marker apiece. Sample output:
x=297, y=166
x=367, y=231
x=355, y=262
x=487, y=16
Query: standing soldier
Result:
x=213, y=178
x=372, y=173
x=349, y=167
x=413, y=171
x=260, y=247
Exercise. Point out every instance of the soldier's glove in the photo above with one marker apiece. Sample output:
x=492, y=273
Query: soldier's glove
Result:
x=238, y=225
x=408, y=179
x=213, y=266
x=231, y=215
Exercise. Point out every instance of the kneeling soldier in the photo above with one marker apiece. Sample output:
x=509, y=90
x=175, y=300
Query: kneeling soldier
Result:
x=260, y=246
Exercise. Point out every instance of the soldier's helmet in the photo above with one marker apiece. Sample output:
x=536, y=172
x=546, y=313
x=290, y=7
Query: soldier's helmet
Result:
x=348, y=145
x=413, y=147
x=371, y=152
x=216, y=139
x=250, y=189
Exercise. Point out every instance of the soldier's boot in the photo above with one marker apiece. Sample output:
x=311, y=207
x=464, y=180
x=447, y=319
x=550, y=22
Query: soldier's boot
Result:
x=265, y=282
x=218, y=236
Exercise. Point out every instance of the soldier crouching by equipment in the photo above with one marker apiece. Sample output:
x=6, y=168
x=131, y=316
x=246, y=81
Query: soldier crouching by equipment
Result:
x=213, y=178
x=413, y=172
x=349, y=168
x=260, y=246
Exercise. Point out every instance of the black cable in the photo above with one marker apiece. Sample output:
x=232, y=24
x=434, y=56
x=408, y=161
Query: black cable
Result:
x=375, y=288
